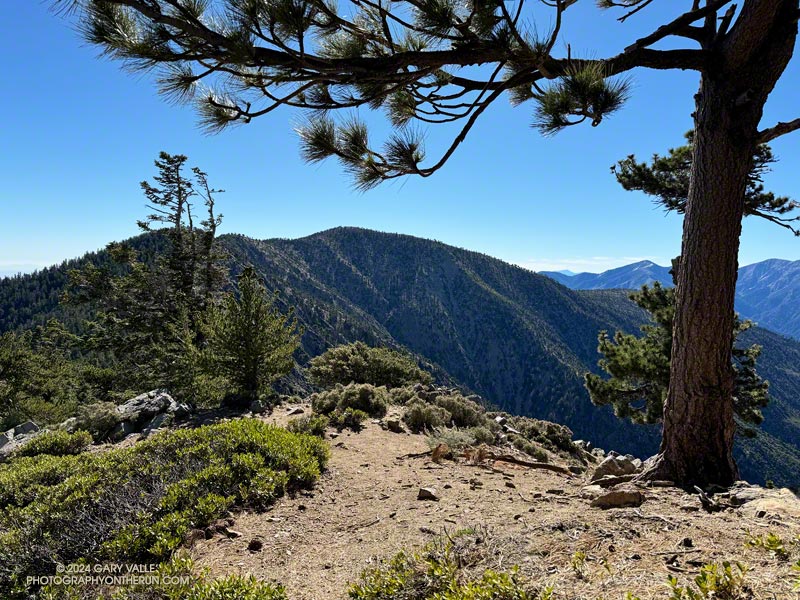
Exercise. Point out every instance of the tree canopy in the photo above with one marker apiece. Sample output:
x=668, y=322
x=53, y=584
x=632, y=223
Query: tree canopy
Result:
x=237, y=60
x=667, y=178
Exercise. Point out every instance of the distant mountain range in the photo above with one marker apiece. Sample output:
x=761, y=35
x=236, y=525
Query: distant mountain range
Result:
x=519, y=339
x=767, y=292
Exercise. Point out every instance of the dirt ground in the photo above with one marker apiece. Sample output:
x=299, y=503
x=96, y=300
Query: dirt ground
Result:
x=365, y=509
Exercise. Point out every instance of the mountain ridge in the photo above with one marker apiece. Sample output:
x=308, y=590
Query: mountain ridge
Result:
x=767, y=292
x=517, y=338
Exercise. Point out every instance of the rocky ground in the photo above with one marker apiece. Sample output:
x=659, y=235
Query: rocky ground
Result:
x=367, y=507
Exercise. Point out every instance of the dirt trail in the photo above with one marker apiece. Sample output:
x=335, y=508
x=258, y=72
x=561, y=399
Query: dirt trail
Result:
x=365, y=508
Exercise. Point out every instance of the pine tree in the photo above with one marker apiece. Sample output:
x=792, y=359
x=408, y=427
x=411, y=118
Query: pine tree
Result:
x=151, y=316
x=667, y=178
x=251, y=342
x=639, y=367
x=242, y=59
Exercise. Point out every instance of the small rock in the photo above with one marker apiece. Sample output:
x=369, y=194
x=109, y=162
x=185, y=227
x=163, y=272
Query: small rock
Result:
x=447, y=486
x=619, y=498
x=590, y=492
x=555, y=492
x=333, y=435
x=295, y=411
x=510, y=484
x=687, y=542
x=255, y=545
x=583, y=445
x=232, y=533
x=509, y=429
x=301, y=507
x=598, y=452
x=4, y=439
x=395, y=426
x=577, y=469
x=258, y=407
x=427, y=493
x=500, y=420
x=193, y=536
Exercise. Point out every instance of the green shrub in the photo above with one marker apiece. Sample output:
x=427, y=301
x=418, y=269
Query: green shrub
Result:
x=56, y=443
x=402, y=395
x=421, y=416
x=363, y=397
x=359, y=363
x=349, y=418
x=310, y=424
x=718, y=582
x=457, y=439
x=138, y=503
x=552, y=436
x=98, y=419
x=772, y=543
x=436, y=574
x=463, y=412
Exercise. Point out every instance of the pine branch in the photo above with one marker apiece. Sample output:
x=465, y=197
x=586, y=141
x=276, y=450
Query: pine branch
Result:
x=782, y=128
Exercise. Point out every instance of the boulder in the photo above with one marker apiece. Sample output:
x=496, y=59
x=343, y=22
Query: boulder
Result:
x=182, y=410
x=622, y=497
x=614, y=466
x=26, y=427
x=500, y=420
x=140, y=410
x=157, y=423
x=121, y=431
x=70, y=425
x=4, y=439
x=583, y=445
x=16, y=442
x=295, y=411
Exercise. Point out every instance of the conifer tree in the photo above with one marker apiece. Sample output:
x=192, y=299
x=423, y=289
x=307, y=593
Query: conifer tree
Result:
x=251, y=342
x=151, y=315
x=639, y=367
x=242, y=59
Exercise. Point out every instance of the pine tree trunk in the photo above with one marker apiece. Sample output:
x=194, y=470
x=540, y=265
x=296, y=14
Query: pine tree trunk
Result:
x=697, y=442
x=698, y=432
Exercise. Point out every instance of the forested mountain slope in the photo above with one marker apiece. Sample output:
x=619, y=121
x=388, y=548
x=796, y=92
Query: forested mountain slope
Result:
x=517, y=338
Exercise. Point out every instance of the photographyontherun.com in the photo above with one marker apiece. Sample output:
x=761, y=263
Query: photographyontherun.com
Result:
x=108, y=574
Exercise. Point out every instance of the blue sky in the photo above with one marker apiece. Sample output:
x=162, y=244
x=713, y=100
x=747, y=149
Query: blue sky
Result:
x=79, y=134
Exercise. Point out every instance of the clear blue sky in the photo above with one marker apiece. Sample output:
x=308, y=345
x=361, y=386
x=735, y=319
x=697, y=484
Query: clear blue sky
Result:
x=78, y=134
